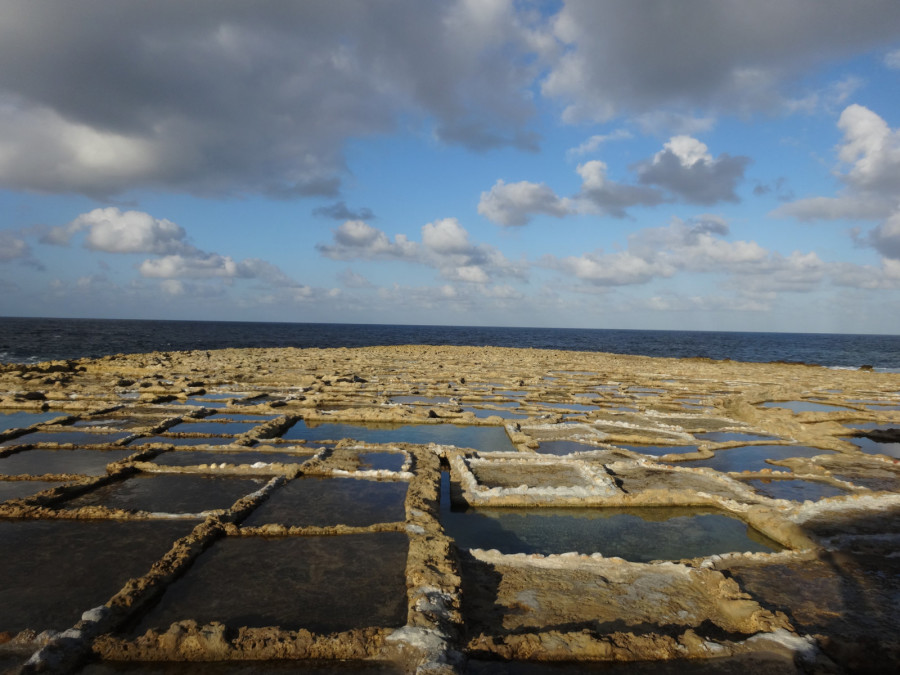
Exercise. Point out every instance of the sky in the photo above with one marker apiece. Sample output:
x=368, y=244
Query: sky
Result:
x=689, y=165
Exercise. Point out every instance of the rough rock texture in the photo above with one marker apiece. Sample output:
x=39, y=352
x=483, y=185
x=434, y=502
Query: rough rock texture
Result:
x=827, y=603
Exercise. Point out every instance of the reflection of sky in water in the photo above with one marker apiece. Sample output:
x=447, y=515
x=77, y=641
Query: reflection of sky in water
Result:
x=73, y=437
x=40, y=462
x=484, y=413
x=639, y=535
x=794, y=489
x=486, y=438
x=16, y=489
x=211, y=428
x=659, y=450
x=18, y=419
x=753, y=457
x=872, y=447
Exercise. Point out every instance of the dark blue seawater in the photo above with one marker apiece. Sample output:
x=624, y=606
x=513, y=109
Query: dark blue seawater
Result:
x=30, y=340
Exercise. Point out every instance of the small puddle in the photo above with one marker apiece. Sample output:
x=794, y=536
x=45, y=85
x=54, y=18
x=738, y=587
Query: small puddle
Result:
x=17, y=489
x=169, y=493
x=52, y=571
x=637, y=535
x=426, y=400
x=660, y=450
x=198, y=457
x=319, y=502
x=728, y=436
x=484, y=413
x=19, y=419
x=564, y=447
x=212, y=428
x=323, y=584
x=385, y=461
x=804, y=406
x=73, y=437
x=794, y=489
x=753, y=457
x=39, y=462
x=485, y=438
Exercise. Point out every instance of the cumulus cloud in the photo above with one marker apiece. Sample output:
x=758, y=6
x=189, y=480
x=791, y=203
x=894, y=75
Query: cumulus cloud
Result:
x=514, y=204
x=445, y=246
x=593, y=143
x=686, y=168
x=697, y=245
x=600, y=195
x=106, y=97
x=114, y=231
x=886, y=237
x=634, y=57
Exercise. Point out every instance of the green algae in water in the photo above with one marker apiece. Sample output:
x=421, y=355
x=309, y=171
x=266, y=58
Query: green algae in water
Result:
x=319, y=502
x=637, y=535
x=486, y=438
x=53, y=570
x=794, y=489
x=753, y=457
x=323, y=584
x=169, y=493
x=38, y=462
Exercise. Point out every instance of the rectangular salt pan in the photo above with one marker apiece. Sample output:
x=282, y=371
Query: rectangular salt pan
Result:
x=38, y=462
x=52, y=571
x=323, y=584
x=485, y=438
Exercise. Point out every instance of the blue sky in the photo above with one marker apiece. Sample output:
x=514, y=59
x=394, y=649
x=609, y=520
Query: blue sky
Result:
x=701, y=164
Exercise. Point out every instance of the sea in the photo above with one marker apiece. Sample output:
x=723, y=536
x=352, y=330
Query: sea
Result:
x=31, y=340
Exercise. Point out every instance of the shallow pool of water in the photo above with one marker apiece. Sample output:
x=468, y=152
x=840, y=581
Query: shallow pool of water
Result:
x=425, y=400
x=17, y=419
x=17, y=489
x=638, y=535
x=480, y=438
x=70, y=437
x=323, y=584
x=728, y=436
x=197, y=457
x=386, y=461
x=564, y=447
x=873, y=447
x=484, y=413
x=753, y=457
x=659, y=450
x=190, y=440
x=794, y=489
x=803, y=406
x=52, y=571
x=169, y=493
x=39, y=462
x=319, y=502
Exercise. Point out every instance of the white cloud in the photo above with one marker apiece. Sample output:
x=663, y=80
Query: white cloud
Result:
x=103, y=98
x=356, y=239
x=593, y=143
x=114, y=231
x=602, y=196
x=872, y=149
x=886, y=237
x=445, y=247
x=624, y=57
x=514, y=204
x=686, y=168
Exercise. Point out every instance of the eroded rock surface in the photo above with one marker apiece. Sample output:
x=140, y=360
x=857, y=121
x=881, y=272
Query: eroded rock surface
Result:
x=591, y=447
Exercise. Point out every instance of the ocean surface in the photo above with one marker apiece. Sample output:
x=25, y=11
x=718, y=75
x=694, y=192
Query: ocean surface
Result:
x=31, y=340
